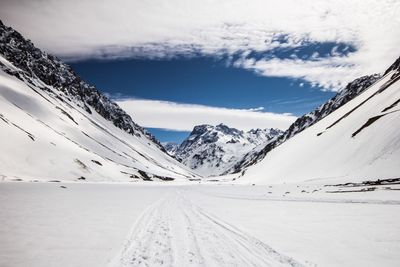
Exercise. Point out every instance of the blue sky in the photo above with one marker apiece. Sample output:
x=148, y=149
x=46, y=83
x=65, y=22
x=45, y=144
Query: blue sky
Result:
x=201, y=80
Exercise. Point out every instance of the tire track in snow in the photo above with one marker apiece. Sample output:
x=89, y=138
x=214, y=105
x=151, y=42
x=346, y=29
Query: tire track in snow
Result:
x=175, y=232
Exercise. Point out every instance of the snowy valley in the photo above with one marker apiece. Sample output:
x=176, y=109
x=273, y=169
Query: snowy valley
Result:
x=83, y=185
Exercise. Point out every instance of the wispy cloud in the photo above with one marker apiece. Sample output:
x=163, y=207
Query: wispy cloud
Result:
x=297, y=105
x=329, y=73
x=162, y=29
x=183, y=117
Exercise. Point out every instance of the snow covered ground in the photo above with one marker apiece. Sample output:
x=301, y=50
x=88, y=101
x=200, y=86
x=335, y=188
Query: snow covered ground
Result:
x=102, y=224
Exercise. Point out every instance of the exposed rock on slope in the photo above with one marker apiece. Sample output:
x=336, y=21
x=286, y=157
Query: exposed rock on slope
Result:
x=171, y=148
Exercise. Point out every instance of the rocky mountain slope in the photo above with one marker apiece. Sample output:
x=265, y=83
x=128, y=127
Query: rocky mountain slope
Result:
x=211, y=150
x=170, y=147
x=352, y=90
x=55, y=126
x=357, y=141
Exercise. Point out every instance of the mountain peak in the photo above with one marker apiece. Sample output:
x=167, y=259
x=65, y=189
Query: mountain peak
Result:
x=227, y=130
x=211, y=150
x=200, y=129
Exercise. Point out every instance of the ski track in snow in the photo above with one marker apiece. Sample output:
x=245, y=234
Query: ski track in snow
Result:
x=175, y=232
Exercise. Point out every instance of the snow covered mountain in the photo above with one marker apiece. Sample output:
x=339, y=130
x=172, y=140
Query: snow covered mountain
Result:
x=211, y=150
x=54, y=126
x=352, y=90
x=170, y=147
x=358, y=141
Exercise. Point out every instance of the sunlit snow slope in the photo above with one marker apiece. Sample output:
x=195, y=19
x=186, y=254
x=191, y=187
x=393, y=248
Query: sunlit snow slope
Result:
x=358, y=141
x=56, y=133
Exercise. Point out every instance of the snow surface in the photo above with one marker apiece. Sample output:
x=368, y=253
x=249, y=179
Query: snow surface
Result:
x=344, y=146
x=97, y=224
x=42, y=224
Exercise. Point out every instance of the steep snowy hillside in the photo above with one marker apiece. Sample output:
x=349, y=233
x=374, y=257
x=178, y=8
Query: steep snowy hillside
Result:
x=352, y=90
x=358, y=141
x=211, y=150
x=54, y=126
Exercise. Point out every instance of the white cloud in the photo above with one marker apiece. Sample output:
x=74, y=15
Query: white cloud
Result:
x=183, y=117
x=159, y=28
x=330, y=73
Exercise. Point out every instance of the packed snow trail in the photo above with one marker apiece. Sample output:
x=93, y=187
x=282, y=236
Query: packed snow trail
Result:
x=175, y=232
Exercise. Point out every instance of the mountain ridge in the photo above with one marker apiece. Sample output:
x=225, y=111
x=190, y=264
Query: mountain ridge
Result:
x=74, y=131
x=356, y=142
x=352, y=90
x=24, y=55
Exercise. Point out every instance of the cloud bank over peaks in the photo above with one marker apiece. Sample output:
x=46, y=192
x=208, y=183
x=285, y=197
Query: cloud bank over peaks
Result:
x=82, y=29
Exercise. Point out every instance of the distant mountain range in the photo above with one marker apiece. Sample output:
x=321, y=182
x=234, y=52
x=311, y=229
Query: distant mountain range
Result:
x=212, y=150
x=216, y=150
